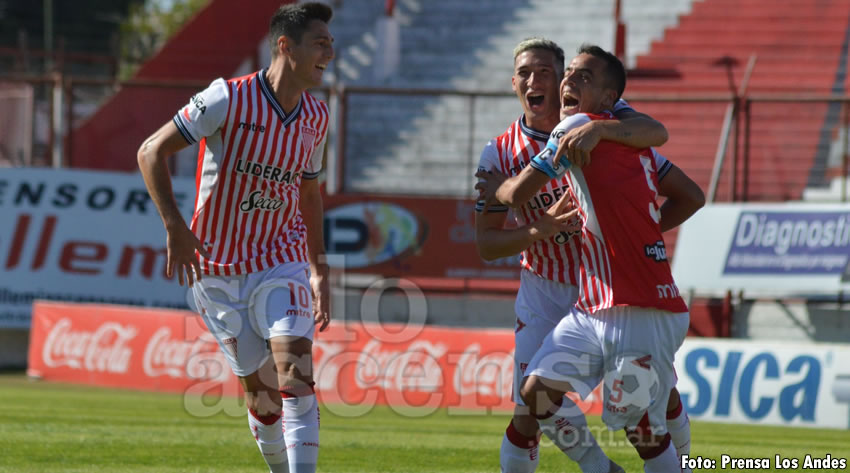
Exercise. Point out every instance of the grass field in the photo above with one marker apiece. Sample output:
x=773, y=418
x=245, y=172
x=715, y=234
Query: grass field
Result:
x=49, y=427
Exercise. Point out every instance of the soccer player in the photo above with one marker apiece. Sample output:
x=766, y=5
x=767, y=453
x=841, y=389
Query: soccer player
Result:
x=549, y=250
x=629, y=319
x=253, y=253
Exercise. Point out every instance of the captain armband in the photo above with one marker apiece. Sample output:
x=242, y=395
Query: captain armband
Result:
x=546, y=162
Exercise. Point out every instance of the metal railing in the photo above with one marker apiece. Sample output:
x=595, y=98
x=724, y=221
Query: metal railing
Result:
x=60, y=99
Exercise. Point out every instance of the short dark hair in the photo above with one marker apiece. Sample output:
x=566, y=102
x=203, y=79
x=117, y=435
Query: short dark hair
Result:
x=292, y=21
x=614, y=69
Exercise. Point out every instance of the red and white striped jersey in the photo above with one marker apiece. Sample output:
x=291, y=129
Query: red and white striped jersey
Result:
x=623, y=258
x=252, y=158
x=554, y=259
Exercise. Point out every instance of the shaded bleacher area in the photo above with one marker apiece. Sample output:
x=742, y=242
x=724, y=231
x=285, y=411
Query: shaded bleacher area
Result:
x=675, y=47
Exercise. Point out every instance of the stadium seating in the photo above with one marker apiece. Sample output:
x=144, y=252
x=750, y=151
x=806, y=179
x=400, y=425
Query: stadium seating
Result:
x=433, y=137
x=800, y=47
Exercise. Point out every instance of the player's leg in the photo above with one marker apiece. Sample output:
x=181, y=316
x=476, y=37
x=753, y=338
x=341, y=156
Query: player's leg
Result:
x=558, y=368
x=281, y=307
x=264, y=415
x=678, y=424
x=639, y=349
x=519, y=451
x=294, y=363
x=535, y=318
x=224, y=309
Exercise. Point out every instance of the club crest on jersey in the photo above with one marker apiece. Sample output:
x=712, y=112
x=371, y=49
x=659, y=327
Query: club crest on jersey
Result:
x=308, y=136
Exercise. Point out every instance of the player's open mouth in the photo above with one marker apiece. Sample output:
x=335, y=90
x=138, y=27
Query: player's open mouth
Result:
x=568, y=102
x=321, y=66
x=536, y=100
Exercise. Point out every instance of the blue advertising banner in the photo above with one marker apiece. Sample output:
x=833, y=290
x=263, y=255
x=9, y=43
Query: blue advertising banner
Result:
x=778, y=383
x=793, y=249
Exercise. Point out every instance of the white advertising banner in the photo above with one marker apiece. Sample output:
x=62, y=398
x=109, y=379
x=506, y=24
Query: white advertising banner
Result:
x=778, y=383
x=770, y=249
x=82, y=236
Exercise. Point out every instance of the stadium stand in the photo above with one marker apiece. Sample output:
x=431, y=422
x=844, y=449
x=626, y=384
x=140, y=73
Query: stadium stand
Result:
x=433, y=137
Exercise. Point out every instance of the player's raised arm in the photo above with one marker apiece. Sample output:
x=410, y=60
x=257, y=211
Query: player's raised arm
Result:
x=182, y=243
x=631, y=128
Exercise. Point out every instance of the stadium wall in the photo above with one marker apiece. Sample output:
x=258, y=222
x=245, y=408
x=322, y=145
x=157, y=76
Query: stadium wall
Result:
x=412, y=365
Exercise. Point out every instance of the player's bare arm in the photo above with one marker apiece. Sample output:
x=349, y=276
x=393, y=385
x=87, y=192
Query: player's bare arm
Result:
x=181, y=242
x=632, y=128
x=517, y=190
x=684, y=198
x=311, y=210
x=494, y=241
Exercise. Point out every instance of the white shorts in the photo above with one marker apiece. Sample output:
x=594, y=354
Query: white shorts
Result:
x=612, y=345
x=540, y=305
x=244, y=311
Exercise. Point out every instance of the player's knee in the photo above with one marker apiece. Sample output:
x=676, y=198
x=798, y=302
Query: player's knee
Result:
x=673, y=401
x=525, y=423
x=533, y=394
x=647, y=444
x=264, y=401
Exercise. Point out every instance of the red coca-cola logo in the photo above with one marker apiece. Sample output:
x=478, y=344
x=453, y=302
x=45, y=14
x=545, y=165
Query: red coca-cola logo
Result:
x=415, y=368
x=490, y=375
x=177, y=358
x=104, y=349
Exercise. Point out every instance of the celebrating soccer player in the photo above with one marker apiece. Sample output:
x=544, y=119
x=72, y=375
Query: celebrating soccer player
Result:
x=549, y=249
x=253, y=253
x=629, y=319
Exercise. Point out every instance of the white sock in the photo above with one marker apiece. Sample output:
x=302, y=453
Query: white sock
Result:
x=519, y=454
x=301, y=429
x=268, y=432
x=679, y=427
x=665, y=462
x=567, y=429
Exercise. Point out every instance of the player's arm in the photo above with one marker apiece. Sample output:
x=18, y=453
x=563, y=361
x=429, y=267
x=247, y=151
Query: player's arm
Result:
x=182, y=243
x=548, y=164
x=517, y=190
x=494, y=241
x=631, y=128
x=312, y=211
x=684, y=198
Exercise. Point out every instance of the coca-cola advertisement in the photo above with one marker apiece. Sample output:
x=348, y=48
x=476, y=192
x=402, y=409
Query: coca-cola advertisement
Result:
x=355, y=364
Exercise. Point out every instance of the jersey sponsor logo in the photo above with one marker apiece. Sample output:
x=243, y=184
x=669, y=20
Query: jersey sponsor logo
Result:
x=543, y=200
x=298, y=312
x=308, y=136
x=256, y=201
x=667, y=291
x=657, y=251
x=266, y=171
x=252, y=127
x=198, y=101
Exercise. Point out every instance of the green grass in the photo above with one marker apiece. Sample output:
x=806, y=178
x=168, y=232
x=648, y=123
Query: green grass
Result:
x=51, y=427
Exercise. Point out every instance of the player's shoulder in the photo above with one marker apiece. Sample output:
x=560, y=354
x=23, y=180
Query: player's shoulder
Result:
x=243, y=78
x=572, y=121
x=315, y=104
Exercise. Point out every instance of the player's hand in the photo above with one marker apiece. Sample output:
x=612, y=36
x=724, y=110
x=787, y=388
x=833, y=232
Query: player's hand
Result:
x=577, y=144
x=561, y=217
x=487, y=185
x=320, y=284
x=182, y=245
